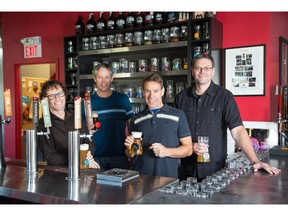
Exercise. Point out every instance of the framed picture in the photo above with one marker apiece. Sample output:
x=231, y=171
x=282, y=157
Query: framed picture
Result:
x=245, y=70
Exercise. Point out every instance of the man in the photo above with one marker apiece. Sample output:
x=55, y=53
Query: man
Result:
x=55, y=149
x=166, y=134
x=114, y=113
x=210, y=110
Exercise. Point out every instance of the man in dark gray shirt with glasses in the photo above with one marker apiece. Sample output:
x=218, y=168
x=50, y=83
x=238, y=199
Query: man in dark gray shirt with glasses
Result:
x=210, y=110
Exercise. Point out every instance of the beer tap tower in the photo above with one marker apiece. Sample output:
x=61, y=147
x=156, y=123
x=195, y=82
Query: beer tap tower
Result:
x=74, y=136
x=8, y=113
x=282, y=119
x=31, y=143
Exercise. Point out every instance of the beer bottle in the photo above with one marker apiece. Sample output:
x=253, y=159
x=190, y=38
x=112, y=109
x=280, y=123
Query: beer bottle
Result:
x=91, y=24
x=79, y=26
x=139, y=20
x=158, y=18
x=130, y=20
x=111, y=22
x=121, y=21
x=101, y=23
x=149, y=19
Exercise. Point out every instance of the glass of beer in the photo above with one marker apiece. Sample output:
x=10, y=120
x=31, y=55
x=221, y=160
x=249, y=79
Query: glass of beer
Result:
x=136, y=148
x=84, y=163
x=205, y=156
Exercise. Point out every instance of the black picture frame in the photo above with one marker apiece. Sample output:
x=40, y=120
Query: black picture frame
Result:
x=245, y=70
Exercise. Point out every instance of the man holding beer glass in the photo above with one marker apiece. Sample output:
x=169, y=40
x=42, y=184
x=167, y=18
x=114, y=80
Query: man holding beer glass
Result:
x=55, y=149
x=166, y=136
x=210, y=110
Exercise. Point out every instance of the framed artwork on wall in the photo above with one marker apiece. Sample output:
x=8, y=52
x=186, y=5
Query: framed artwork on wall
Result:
x=245, y=70
x=283, y=62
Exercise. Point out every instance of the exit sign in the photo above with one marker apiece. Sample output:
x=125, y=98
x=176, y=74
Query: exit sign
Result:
x=32, y=51
x=32, y=47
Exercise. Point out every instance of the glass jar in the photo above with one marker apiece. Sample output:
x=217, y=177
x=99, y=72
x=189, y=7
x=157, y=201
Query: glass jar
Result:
x=85, y=44
x=129, y=39
x=119, y=40
x=176, y=64
x=197, y=50
x=93, y=43
x=115, y=67
x=102, y=42
x=206, y=30
x=148, y=37
x=205, y=48
x=185, y=63
x=174, y=34
x=70, y=48
x=165, y=35
x=169, y=89
x=165, y=66
x=197, y=32
x=157, y=36
x=183, y=33
x=154, y=64
x=142, y=65
x=123, y=65
x=111, y=42
x=179, y=87
x=138, y=38
x=138, y=93
x=132, y=67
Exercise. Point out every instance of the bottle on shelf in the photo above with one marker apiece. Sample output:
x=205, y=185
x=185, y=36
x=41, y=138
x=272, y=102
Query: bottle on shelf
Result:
x=159, y=18
x=111, y=22
x=80, y=26
x=101, y=23
x=139, y=19
x=149, y=19
x=130, y=20
x=121, y=21
x=91, y=24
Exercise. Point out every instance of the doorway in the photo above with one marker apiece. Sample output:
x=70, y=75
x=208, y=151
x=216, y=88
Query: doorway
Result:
x=31, y=78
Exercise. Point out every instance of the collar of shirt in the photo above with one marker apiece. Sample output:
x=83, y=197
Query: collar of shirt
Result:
x=209, y=91
x=164, y=108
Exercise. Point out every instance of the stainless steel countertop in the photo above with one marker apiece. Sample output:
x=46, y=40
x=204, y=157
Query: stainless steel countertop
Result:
x=50, y=186
x=251, y=188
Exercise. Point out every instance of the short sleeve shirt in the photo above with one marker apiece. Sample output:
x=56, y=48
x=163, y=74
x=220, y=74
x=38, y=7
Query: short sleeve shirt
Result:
x=166, y=126
x=209, y=115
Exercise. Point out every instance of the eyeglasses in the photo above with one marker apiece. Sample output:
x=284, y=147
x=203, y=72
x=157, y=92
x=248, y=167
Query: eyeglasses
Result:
x=53, y=96
x=147, y=92
x=205, y=69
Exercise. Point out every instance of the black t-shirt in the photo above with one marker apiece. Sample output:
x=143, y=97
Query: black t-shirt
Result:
x=208, y=115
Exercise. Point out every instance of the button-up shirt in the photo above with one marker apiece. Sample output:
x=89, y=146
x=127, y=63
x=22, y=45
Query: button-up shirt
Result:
x=208, y=115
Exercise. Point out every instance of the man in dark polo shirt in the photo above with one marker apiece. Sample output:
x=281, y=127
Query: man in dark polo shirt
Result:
x=210, y=110
x=166, y=134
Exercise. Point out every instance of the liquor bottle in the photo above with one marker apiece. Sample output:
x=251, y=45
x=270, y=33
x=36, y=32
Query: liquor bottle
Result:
x=149, y=19
x=111, y=22
x=121, y=21
x=79, y=26
x=139, y=20
x=130, y=20
x=91, y=24
x=101, y=23
x=159, y=18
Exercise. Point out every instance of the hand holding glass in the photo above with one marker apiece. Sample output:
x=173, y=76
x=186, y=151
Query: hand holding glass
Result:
x=205, y=156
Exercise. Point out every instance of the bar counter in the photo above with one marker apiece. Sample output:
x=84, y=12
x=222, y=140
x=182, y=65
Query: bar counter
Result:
x=51, y=187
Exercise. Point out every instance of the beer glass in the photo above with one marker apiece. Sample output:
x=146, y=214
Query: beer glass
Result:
x=205, y=156
x=136, y=147
x=84, y=163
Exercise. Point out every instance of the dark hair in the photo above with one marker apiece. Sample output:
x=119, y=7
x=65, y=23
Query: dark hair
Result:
x=204, y=56
x=154, y=77
x=51, y=84
x=102, y=65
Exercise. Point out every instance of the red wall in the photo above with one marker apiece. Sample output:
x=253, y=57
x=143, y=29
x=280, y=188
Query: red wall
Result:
x=239, y=29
